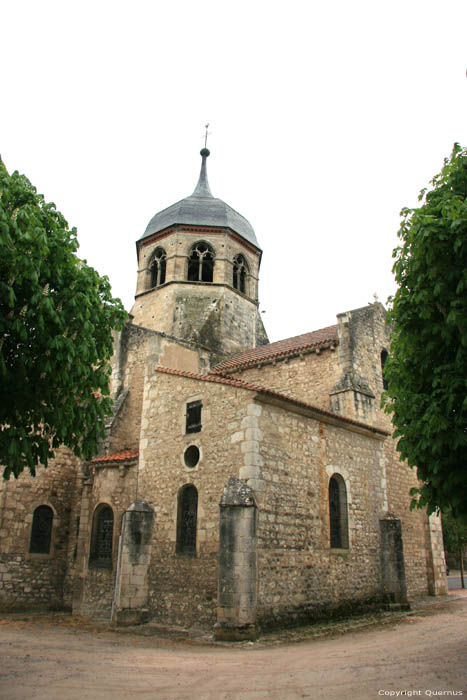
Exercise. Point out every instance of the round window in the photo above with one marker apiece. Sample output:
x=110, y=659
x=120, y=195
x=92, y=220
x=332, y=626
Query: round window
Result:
x=191, y=456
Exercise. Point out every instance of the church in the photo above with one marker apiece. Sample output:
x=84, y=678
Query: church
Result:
x=242, y=484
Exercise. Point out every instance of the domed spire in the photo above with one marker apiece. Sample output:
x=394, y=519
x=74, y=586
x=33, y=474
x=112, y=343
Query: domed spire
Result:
x=201, y=209
x=202, y=188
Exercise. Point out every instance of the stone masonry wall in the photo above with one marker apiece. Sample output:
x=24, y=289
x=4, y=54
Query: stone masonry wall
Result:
x=211, y=315
x=363, y=334
x=307, y=378
x=93, y=587
x=183, y=589
x=214, y=315
x=36, y=579
x=177, y=243
x=137, y=350
x=299, y=573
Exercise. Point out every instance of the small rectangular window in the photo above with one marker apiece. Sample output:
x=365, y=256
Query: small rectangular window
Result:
x=193, y=417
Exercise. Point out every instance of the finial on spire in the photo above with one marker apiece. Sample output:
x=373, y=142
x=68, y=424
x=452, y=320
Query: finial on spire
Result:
x=206, y=136
x=205, y=152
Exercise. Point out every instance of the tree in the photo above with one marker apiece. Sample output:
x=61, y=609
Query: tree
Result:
x=427, y=366
x=455, y=540
x=56, y=321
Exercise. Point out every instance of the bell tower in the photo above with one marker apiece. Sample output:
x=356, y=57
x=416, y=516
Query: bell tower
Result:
x=198, y=268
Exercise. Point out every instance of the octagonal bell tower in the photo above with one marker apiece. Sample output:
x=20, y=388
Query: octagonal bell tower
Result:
x=198, y=267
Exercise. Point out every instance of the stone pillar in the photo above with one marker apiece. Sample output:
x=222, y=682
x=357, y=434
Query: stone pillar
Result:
x=394, y=587
x=85, y=524
x=437, y=581
x=134, y=555
x=236, y=601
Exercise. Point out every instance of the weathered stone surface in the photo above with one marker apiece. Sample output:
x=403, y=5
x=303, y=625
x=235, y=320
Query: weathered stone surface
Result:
x=263, y=555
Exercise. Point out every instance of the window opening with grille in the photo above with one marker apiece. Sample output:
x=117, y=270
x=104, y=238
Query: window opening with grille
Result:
x=186, y=522
x=339, y=536
x=384, y=357
x=193, y=416
x=239, y=273
x=102, y=537
x=158, y=267
x=201, y=263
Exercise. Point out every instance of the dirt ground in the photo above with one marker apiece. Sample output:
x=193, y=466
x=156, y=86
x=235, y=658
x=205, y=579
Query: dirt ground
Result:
x=420, y=654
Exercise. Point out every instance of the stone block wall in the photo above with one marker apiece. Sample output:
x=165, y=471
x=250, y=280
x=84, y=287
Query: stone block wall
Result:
x=210, y=315
x=300, y=575
x=363, y=334
x=307, y=377
x=92, y=587
x=183, y=588
x=177, y=242
x=36, y=579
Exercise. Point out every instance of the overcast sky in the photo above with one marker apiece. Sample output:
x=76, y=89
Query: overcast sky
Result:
x=326, y=118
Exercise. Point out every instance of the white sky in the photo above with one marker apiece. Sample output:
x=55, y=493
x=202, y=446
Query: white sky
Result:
x=326, y=118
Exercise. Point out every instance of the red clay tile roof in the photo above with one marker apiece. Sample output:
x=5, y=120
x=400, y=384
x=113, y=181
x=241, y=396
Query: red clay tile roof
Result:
x=230, y=381
x=279, y=350
x=123, y=456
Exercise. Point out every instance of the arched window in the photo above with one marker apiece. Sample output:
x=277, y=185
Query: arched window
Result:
x=239, y=273
x=41, y=531
x=186, y=520
x=384, y=357
x=157, y=268
x=201, y=263
x=338, y=525
x=102, y=537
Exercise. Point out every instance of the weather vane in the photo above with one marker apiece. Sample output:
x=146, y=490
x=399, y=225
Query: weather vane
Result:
x=206, y=136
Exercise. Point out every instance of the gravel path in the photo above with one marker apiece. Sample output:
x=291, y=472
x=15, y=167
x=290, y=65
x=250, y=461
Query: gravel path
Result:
x=55, y=657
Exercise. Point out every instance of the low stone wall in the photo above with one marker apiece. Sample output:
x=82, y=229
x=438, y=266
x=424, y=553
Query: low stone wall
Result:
x=29, y=582
x=98, y=594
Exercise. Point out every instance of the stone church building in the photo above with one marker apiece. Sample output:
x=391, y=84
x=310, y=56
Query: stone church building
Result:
x=242, y=484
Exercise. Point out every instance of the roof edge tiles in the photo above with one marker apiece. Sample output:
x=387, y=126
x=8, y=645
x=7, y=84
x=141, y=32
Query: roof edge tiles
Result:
x=280, y=350
x=122, y=456
x=270, y=396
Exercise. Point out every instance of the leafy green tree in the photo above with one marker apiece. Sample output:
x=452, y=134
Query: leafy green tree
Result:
x=455, y=539
x=427, y=367
x=56, y=321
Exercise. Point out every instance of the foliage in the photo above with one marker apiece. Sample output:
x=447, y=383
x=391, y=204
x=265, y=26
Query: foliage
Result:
x=56, y=318
x=454, y=534
x=427, y=367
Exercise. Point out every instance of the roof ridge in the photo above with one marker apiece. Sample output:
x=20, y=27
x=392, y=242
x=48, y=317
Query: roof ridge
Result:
x=280, y=348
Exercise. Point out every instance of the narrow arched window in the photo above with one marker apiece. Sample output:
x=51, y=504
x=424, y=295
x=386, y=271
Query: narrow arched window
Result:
x=186, y=520
x=102, y=537
x=41, y=530
x=201, y=263
x=384, y=357
x=157, y=268
x=239, y=273
x=338, y=525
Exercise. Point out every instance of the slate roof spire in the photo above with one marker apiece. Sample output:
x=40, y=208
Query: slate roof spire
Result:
x=202, y=188
x=201, y=209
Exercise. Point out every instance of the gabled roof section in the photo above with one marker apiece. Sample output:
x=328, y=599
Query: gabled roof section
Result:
x=268, y=395
x=307, y=342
